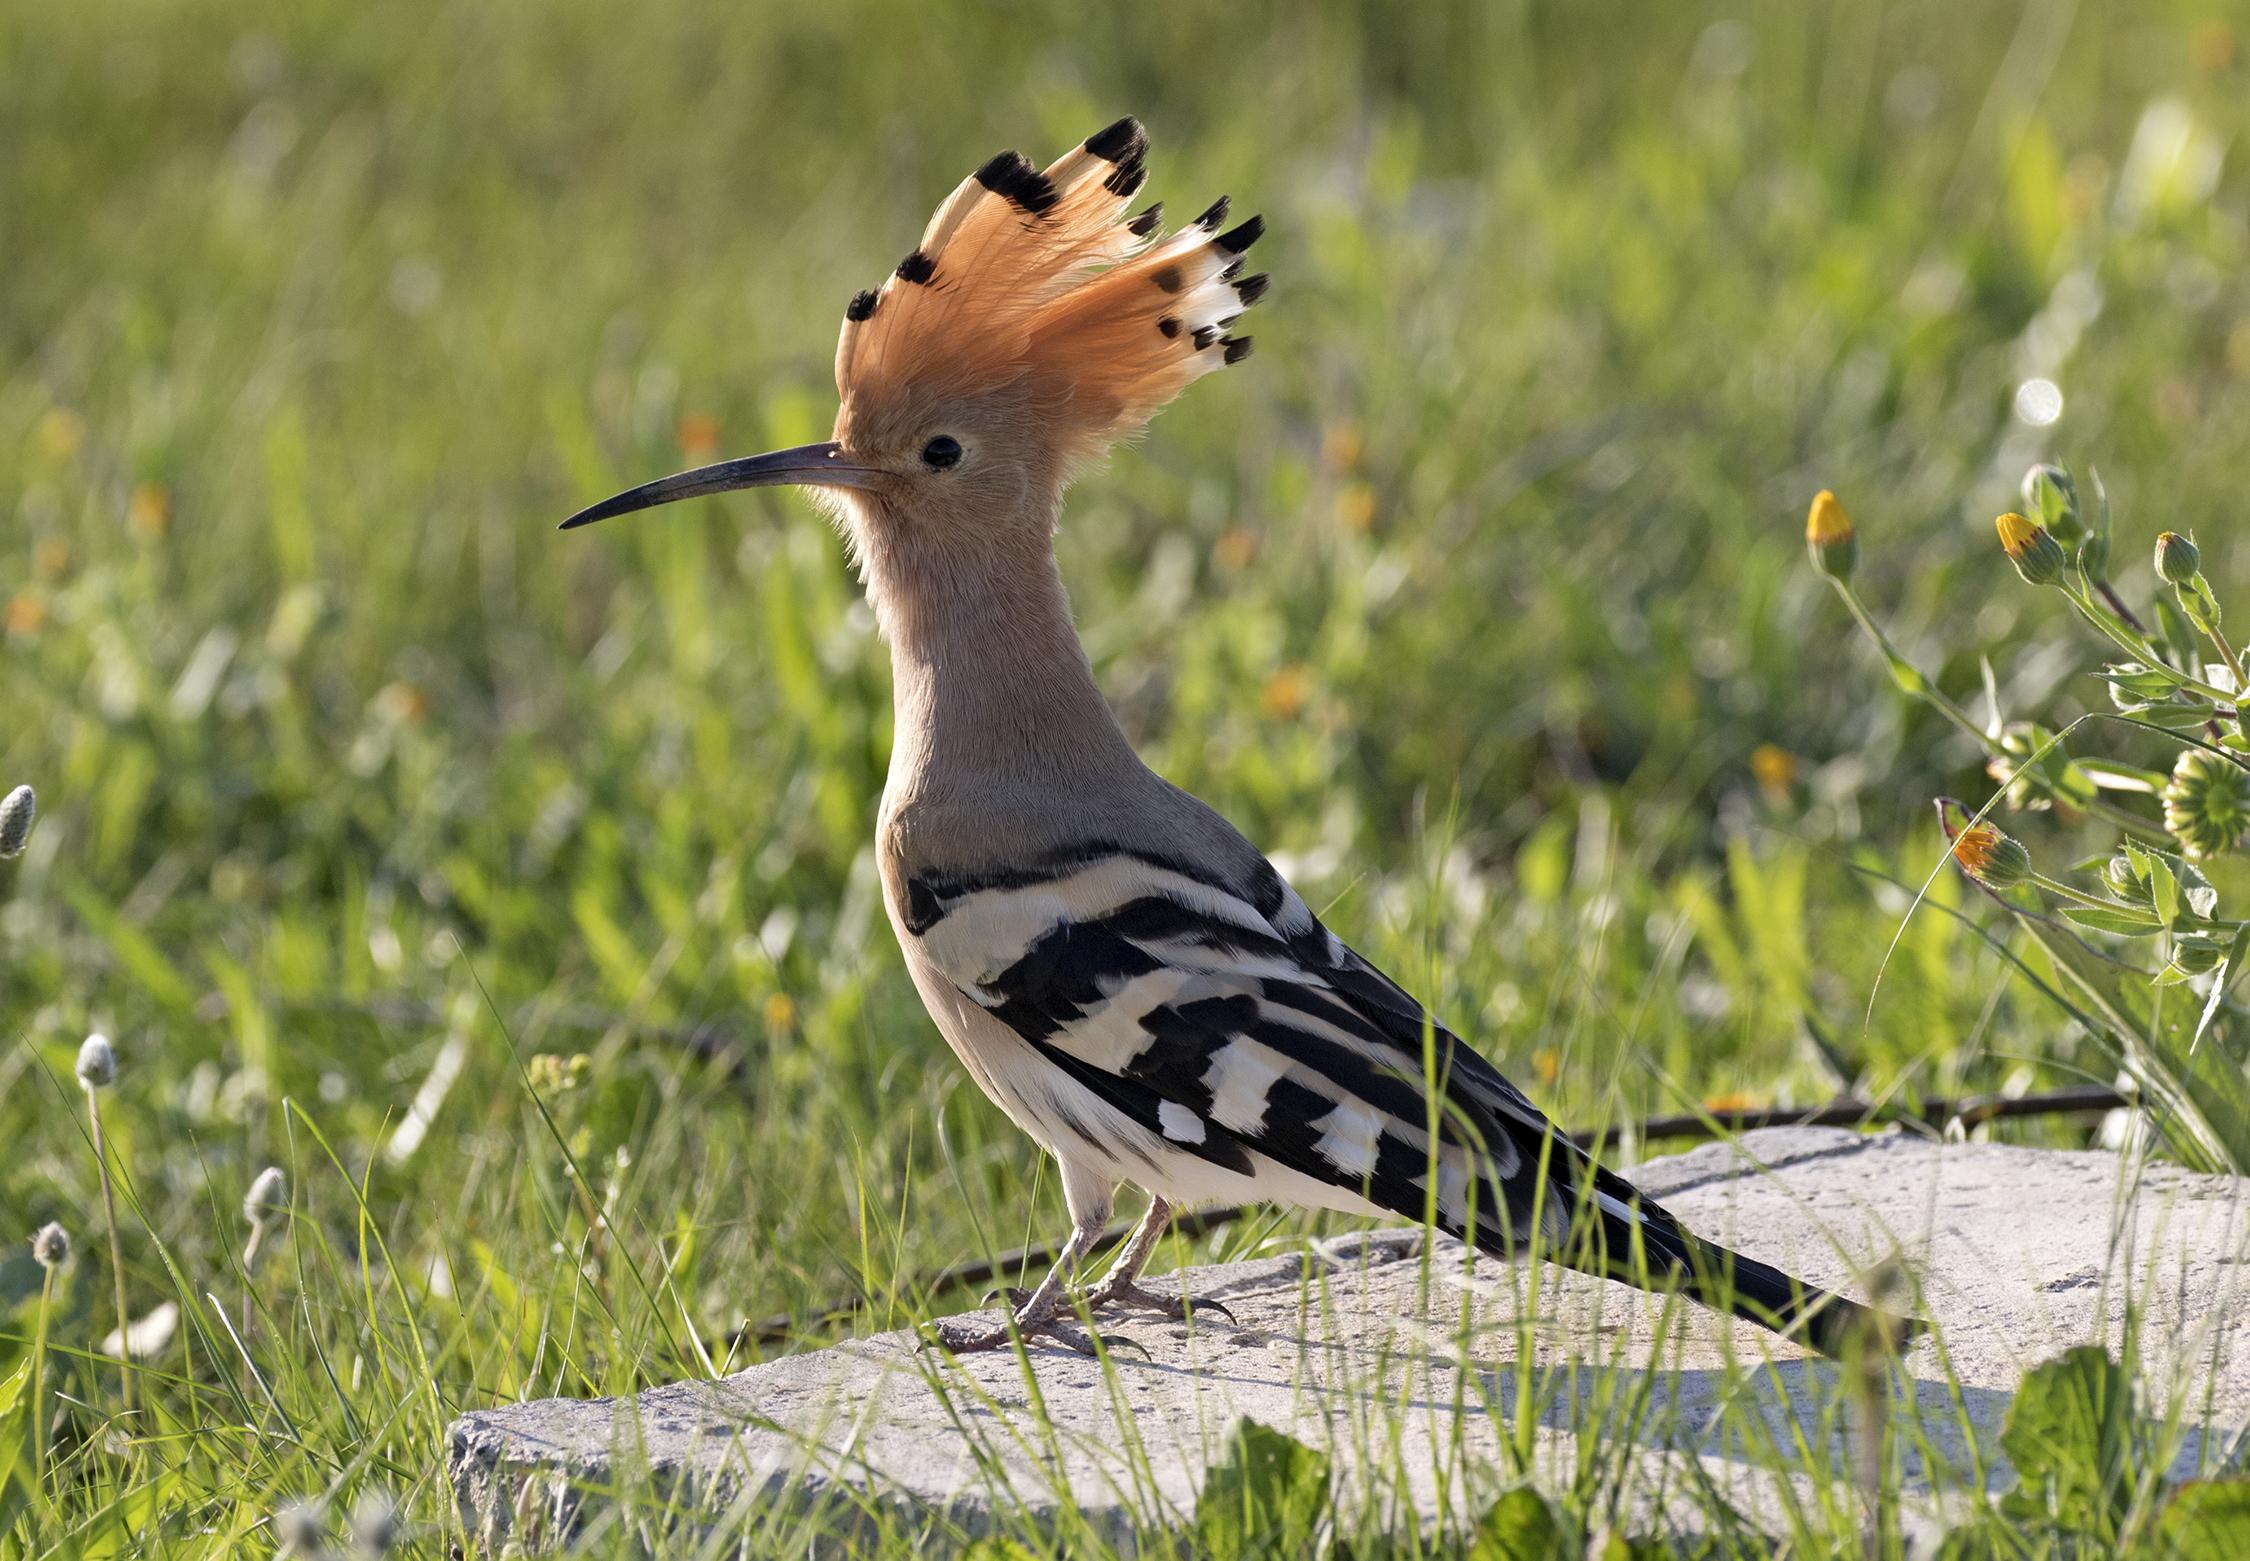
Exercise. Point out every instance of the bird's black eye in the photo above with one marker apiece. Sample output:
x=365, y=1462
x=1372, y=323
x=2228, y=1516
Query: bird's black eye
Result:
x=941, y=452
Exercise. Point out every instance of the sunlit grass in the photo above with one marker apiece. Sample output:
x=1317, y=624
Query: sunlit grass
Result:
x=1480, y=599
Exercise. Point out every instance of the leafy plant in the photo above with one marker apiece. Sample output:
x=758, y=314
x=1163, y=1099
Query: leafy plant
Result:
x=2135, y=947
x=2069, y=1433
x=1264, y=1498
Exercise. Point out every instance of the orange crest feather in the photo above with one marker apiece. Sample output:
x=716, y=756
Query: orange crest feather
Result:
x=1035, y=283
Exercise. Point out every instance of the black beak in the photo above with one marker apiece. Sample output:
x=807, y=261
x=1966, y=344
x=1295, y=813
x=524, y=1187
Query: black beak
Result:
x=813, y=465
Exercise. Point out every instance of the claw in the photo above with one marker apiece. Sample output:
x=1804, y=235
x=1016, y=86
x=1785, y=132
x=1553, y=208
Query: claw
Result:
x=1056, y=1325
x=1131, y=1295
x=1016, y=1297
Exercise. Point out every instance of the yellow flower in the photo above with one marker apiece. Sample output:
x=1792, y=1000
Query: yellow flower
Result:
x=2037, y=556
x=698, y=434
x=61, y=433
x=1827, y=522
x=1996, y=860
x=1775, y=768
x=1284, y=694
x=402, y=703
x=779, y=1013
x=149, y=511
x=1355, y=506
x=1829, y=538
x=1341, y=445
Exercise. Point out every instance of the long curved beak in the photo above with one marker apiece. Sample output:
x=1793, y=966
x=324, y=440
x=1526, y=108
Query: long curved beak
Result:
x=814, y=465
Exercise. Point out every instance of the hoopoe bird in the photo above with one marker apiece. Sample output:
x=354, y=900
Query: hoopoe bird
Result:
x=1119, y=970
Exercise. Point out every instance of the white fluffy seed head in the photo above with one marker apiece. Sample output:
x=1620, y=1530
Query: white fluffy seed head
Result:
x=97, y=1062
x=300, y=1528
x=51, y=1246
x=376, y=1524
x=268, y=1196
x=17, y=811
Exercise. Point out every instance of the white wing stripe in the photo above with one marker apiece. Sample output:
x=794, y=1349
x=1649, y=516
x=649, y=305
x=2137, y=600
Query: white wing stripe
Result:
x=989, y=930
x=1238, y=1079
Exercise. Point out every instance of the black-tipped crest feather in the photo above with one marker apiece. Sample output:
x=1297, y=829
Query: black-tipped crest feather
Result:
x=1123, y=142
x=1011, y=176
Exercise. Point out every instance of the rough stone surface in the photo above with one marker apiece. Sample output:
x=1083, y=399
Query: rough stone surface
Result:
x=1411, y=1376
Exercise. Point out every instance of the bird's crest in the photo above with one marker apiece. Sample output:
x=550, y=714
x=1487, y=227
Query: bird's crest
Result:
x=1036, y=283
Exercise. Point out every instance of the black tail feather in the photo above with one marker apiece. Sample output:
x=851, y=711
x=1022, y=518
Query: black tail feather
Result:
x=1653, y=1249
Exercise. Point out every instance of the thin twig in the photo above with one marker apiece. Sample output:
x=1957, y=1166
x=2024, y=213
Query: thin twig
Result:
x=116, y=1251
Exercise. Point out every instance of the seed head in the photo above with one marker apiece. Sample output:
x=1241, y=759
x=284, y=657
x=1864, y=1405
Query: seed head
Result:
x=1996, y=860
x=300, y=1528
x=2049, y=494
x=2177, y=558
x=51, y=1246
x=376, y=1524
x=2037, y=556
x=2207, y=803
x=1829, y=539
x=97, y=1062
x=268, y=1196
x=18, y=810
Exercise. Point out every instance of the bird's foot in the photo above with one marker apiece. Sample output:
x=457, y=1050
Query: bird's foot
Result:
x=1026, y=1322
x=1127, y=1295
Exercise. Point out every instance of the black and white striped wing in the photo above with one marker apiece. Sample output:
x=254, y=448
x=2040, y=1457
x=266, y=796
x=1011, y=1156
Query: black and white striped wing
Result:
x=1234, y=1025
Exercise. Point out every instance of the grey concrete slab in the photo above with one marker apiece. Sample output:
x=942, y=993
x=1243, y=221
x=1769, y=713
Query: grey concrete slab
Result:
x=1434, y=1385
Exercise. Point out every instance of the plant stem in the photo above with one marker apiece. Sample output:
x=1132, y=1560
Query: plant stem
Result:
x=1930, y=694
x=1926, y=690
x=2139, y=647
x=250, y=1270
x=38, y=1385
x=2065, y=891
x=2234, y=662
x=116, y=1252
x=2117, y=606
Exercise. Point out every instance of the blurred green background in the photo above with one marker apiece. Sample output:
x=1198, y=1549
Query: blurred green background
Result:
x=1479, y=594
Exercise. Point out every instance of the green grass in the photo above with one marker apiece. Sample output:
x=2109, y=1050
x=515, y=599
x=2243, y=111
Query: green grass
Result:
x=1474, y=594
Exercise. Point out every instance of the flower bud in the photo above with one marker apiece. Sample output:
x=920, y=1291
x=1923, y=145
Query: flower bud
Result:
x=2036, y=555
x=51, y=1246
x=1829, y=539
x=2207, y=802
x=17, y=812
x=2177, y=558
x=1996, y=860
x=268, y=1196
x=2049, y=494
x=97, y=1063
x=2119, y=875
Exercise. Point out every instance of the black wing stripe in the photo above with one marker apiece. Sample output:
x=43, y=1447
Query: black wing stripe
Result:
x=1067, y=971
x=1143, y=1105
